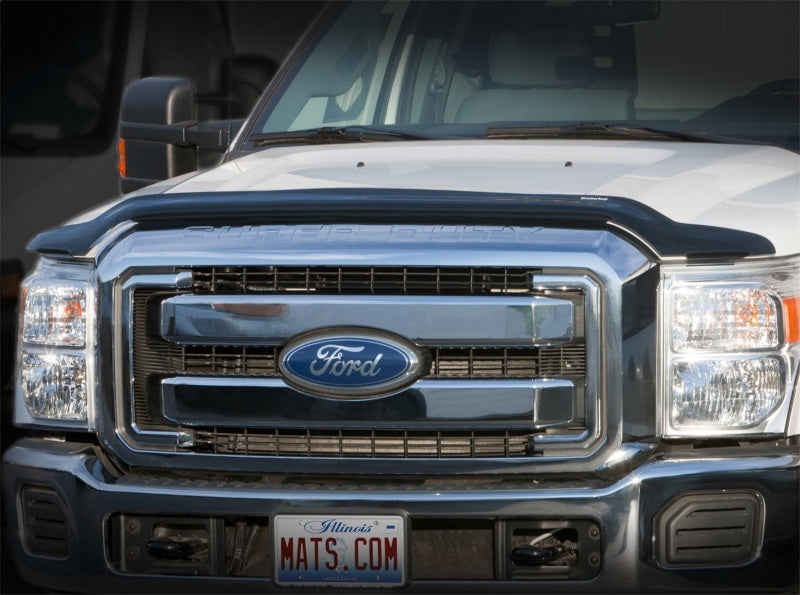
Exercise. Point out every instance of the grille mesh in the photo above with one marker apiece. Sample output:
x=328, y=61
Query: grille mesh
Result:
x=567, y=361
x=369, y=444
x=363, y=280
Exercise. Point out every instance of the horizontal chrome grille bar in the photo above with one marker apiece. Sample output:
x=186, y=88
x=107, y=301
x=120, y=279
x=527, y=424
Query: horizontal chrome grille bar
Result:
x=440, y=320
x=231, y=402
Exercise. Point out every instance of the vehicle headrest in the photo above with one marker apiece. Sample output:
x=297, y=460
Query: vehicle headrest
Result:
x=539, y=58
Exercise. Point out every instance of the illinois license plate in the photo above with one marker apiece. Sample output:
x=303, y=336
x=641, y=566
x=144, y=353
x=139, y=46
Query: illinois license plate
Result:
x=346, y=551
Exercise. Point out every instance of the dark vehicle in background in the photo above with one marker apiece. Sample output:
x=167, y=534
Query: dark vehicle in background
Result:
x=64, y=67
x=482, y=297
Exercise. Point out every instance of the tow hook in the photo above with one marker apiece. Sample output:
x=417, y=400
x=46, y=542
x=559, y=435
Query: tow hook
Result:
x=167, y=549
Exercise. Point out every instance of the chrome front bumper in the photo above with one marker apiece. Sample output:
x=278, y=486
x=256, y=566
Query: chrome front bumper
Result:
x=624, y=508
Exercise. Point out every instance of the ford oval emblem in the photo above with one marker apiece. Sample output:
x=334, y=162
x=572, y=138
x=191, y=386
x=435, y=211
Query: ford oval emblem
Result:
x=353, y=363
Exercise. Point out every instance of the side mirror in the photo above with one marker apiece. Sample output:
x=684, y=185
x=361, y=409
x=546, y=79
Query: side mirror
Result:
x=159, y=134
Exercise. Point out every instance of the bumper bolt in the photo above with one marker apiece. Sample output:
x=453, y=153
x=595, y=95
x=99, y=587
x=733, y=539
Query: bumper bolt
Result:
x=133, y=526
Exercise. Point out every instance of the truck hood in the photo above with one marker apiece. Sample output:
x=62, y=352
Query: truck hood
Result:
x=744, y=187
x=751, y=188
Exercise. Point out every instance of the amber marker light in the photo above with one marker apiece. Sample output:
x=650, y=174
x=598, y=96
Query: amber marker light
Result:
x=791, y=308
x=122, y=164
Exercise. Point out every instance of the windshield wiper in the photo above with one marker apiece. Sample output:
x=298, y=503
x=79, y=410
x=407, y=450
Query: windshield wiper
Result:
x=614, y=130
x=335, y=134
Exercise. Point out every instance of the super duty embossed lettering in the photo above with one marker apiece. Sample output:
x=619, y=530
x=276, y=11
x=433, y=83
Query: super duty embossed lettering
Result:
x=334, y=233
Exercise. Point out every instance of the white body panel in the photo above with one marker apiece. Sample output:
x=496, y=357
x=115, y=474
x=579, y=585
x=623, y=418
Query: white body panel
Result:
x=746, y=187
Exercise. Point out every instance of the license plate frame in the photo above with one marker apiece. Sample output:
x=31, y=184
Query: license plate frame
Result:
x=339, y=550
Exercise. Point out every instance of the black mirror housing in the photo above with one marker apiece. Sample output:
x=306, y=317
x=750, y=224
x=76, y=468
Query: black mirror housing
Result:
x=161, y=135
x=153, y=110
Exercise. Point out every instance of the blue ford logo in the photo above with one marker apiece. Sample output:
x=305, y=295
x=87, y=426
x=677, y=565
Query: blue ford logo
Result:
x=349, y=363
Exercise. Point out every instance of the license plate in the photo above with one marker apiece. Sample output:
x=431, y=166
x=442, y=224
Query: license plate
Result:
x=344, y=551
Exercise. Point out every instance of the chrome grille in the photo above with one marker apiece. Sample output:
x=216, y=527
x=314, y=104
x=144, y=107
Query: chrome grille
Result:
x=521, y=349
x=155, y=358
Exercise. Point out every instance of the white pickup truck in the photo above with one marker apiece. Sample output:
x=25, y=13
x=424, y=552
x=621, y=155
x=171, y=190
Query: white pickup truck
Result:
x=483, y=297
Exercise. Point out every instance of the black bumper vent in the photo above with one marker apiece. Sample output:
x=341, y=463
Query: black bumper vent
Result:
x=710, y=529
x=45, y=521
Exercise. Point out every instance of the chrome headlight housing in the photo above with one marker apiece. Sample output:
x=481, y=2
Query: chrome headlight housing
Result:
x=730, y=345
x=55, y=353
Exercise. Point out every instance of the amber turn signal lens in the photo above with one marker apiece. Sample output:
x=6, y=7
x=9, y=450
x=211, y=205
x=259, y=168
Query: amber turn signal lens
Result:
x=791, y=309
x=122, y=164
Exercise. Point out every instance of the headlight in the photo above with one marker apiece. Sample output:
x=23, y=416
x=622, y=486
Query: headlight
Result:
x=734, y=393
x=55, y=315
x=730, y=341
x=54, y=385
x=56, y=347
x=723, y=318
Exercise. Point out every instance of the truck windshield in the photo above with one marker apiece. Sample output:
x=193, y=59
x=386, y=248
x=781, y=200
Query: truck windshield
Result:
x=728, y=70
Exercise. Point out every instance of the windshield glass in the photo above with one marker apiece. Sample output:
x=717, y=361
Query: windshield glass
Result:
x=723, y=69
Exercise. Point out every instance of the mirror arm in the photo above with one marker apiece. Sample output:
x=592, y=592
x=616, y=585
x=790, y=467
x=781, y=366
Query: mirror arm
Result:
x=208, y=137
